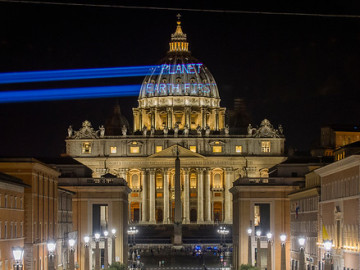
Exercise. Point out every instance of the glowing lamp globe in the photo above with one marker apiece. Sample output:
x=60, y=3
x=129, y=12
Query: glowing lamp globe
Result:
x=249, y=231
x=51, y=246
x=71, y=242
x=97, y=236
x=258, y=233
x=283, y=238
x=301, y=241
x=18, y=253
x=106, y=233
x=269, y=235
x=113, y=231
x=327, y=245
x=86, y=239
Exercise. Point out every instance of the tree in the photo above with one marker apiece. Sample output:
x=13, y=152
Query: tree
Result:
x=117, y=266
x=248, y=267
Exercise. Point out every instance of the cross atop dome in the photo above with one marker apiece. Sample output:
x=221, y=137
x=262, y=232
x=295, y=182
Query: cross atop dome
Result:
x=178, y=39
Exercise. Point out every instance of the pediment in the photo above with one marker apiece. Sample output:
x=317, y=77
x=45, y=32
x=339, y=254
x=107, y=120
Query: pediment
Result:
x=171, y=152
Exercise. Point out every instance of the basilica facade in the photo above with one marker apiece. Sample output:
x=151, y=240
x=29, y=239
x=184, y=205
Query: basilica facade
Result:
x=178, y=113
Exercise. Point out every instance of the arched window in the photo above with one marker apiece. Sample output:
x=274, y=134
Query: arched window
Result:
x=217, y=181
x=135, y=183
x=193, y=180
x=159, y=181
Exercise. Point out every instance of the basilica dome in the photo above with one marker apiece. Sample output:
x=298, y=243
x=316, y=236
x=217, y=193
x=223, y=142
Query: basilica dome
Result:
x=179, y=93
x=179, y=74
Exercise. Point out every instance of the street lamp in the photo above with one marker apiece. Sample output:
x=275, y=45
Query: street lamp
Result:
x=87, y=259
x=18, y=253
x=302, y=253
x=223, y=231
x=283, y=251
x=97, y=251
x=249, y=231
x=258, y=257
x=51, y=248
x=106, y=251
x=132, y=231
x=72, y=253
x=328, y=247
x=269, y=236
x=113, y=231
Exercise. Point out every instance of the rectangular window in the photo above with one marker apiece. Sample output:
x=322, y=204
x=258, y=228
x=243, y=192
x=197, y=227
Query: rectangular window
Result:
x=15, y=202
x=5, y=230
x=86, y=148
x=100, y=218
x=6, y=201
x=238, y=148
x=262, y=217
x=265, y=146
x=217, y=149
x=134, y=149
x=159, y=148
x=113, y=149
x=193, y=148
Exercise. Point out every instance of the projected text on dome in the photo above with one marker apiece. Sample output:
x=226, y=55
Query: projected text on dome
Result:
x=179, y=89
x=181, y=68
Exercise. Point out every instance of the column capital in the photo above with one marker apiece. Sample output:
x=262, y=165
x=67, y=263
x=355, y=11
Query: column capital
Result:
x=186, y=170
x=200, y=169
x=229, y=169
x=151, y=171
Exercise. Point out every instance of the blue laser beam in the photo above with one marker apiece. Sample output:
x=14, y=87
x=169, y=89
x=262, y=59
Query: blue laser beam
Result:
x=76, y=74
x=69, y=93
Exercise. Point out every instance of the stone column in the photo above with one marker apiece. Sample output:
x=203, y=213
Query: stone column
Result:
x=187, y=116
x=152, y=117
x=152, y=196
x=170, y=117
x=144, y=196
x=216, y=119
x=203, y=118
x=228, y=195
x=200, y=197
x=186, y=196
x=207, y=196
x=140, y=120
x=166, y=196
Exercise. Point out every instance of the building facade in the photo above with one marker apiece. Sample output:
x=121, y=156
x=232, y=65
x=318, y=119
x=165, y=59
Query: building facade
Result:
x=39, y=205
x=304, y=222
x=178, y=112
x=11, y=218
x=339, y=212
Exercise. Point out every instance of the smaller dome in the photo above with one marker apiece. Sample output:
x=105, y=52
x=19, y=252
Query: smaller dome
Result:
x=114, y=124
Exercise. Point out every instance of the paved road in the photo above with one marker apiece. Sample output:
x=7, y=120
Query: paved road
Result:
x=181, y=260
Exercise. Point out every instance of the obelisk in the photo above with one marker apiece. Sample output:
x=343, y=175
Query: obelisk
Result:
x=178, y=211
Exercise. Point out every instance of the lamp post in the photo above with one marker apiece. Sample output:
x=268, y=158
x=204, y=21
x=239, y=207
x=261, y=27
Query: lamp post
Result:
x=18, y=253
x=97, y=251
x=269, y=236
x=113, y=231
x=302, y=253
x=106, y=251
x=223, y=231
x=283, y=251
x=72, y=253
x=249, y=231
x=132, y=232
x=51, y=261
x=87, y=260
x=258, y=257
x=328, y=246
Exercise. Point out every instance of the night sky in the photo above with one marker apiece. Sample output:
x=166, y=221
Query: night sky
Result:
x=298, y=71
